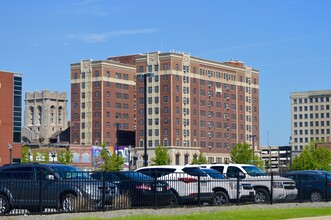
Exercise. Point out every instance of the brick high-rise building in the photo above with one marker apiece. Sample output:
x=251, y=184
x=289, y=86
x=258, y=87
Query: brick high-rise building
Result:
x=188, y=103
x=102, y=95
x=310, y=118
x=10, y=116
x=185, y=103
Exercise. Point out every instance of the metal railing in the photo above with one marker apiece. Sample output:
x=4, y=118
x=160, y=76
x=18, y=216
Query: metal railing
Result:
x=38, y=192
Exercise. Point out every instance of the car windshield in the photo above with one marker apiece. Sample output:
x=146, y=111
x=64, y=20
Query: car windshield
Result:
x=70, y=172
x=194, y=171
x=134, y=176
x=213, y=173
x=253, y=171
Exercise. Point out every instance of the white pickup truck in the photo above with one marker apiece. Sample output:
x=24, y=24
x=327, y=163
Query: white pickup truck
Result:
x=282, y=188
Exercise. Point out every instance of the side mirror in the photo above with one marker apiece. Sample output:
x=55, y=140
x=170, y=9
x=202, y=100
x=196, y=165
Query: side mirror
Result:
x=241, y=175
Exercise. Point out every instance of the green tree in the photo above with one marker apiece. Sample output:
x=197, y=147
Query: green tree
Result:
x=161, y=156
x=312, y=158
x=200, y=159
x=109, y=162
x=65, y=157
x=25, y=154
x=242, y=153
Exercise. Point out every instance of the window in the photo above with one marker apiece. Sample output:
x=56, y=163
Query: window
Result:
x=165, y=66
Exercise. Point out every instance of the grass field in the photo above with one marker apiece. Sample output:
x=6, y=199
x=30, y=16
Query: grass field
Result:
x=254, y=214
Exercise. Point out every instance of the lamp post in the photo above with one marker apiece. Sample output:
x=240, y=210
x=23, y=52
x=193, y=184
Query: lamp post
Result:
x=129, y=151
x=29, y=155
x=145, y=156
x=253, y=136
x=53, y=154
x=10, y=147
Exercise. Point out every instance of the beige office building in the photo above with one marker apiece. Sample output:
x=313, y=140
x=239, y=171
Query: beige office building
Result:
x=310, y=118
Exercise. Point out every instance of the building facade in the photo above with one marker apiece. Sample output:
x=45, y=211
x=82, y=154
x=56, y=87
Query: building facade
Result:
x=10, y=116
x=185, y=103
x=45, y=114
x=102, y=96
x=190, y=104
x=277, y=159
x=310, y=118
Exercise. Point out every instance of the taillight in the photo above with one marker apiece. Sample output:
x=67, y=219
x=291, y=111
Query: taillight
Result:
x=143, y=187
x=167, y=187
x=188, y=180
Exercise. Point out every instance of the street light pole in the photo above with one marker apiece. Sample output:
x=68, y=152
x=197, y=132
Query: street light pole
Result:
x=29, y=154
x=53, y=152
x=253, y=136
x=146, y=114
x=10, y=147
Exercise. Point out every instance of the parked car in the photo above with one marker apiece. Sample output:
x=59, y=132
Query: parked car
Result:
x=283, y=188
x=142, y=190
x=38, y=186
x=185, y=183
x=312, y=185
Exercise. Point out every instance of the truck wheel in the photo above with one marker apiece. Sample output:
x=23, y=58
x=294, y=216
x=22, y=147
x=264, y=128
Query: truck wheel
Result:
x=220, y=198
x=316, y=196
x=4, y=205
x=69, y=203
x=262, y=196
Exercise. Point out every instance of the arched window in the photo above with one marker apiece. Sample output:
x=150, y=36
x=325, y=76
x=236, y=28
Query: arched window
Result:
x=177, y=158
x=52, y=114
x=75, y=157
x=60, y=113
x=85, y=158
x=165, y=142
x=39, y=115
x=186, y=157
x=31, y=115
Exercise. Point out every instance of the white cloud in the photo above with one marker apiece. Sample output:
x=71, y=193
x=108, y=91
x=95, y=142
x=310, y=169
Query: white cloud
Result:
x=102, y=37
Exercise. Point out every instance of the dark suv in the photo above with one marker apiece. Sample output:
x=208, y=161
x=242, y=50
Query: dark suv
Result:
x=62, y=187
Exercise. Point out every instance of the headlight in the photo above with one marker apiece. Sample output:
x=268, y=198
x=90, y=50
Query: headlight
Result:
x=278, y=185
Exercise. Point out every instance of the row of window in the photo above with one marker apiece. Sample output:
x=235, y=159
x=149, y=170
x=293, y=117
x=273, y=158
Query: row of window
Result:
x=311, y=100
x=186, y=143
x=307, y=140
x=203, y=72
x=313, y=131
x=311, y=108
x=311, y=116
x=118, y=115
x=96, y=74
x=306, y=131
x=311, y=124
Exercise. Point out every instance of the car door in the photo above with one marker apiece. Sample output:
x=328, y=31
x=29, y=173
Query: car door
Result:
x=49, y=187
x=232, y=172
x=22, y=186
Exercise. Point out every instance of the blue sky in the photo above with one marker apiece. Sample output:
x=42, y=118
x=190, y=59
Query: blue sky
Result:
x=288, y=41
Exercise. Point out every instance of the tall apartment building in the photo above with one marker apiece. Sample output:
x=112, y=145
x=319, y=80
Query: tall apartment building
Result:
x=185, y=103
x=45, y=114
x=102, y=96
x=10, y=116
x=310, y=118
x=189, y=104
